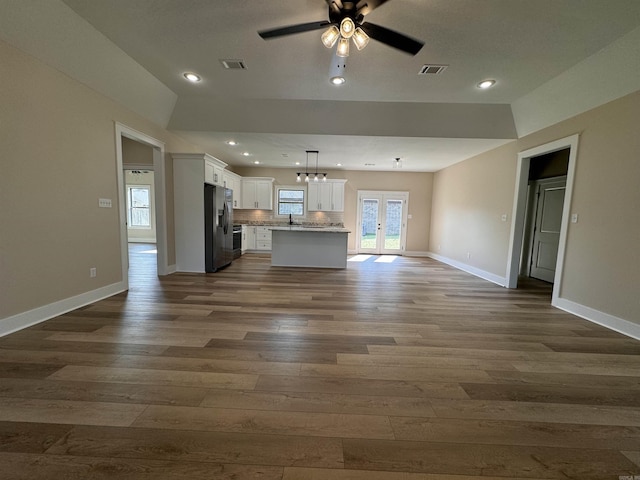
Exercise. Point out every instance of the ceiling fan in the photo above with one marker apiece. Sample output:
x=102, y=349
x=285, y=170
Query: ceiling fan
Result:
x=346, y=21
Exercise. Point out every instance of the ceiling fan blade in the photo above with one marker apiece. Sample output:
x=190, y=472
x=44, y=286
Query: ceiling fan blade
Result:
x=364, y=7
x=292, y=29
x=391, y=38
x=334, y=4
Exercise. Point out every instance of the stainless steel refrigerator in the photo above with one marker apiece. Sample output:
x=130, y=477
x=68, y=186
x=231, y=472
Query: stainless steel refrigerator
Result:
x=218, y=227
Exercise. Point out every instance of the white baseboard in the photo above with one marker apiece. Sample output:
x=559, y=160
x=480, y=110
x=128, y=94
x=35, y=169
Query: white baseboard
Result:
x=142, y=240
x=491, y=277
x=32, y=317
x=612, y=322
x=414, y=253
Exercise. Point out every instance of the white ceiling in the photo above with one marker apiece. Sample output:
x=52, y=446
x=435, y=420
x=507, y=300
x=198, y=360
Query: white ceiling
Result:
x=283, y=103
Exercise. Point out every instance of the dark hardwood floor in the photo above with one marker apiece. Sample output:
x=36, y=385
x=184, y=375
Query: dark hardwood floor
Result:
x=409, y=370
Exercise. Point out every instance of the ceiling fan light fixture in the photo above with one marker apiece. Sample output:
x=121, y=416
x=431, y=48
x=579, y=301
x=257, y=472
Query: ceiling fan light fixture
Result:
x=347, y=27
x=360, y=38
x=330, y=36
x=337, y=80
x=343, y=47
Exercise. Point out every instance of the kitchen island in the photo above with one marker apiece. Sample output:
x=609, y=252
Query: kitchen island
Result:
x=309, y=246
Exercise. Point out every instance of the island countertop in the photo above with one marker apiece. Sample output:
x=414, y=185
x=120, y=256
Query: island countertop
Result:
x=303, y=228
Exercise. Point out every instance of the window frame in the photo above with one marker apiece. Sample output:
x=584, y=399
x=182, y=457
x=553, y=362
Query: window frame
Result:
x=303, y=189
x=130, y=207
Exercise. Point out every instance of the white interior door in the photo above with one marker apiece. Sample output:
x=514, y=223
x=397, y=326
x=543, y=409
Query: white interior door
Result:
x=382, y=222
x=546, y=235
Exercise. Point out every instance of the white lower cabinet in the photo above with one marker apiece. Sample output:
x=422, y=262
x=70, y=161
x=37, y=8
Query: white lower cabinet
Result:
x=256, y=238
x=263, y=238
x=248, y=238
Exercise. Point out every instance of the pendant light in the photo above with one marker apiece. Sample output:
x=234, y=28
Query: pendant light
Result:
x=316, y=174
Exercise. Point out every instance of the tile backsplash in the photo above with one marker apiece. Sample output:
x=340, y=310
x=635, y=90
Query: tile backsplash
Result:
x=258, y=217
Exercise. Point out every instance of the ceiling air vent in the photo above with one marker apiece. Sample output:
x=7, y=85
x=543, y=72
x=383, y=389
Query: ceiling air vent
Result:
x=234, y=64
x=432, y=69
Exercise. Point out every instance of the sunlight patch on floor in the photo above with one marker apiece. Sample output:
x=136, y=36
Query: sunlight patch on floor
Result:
x=386, y=259
x=359, y=258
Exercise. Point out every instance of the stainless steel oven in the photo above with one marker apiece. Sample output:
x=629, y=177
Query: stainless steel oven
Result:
x=237, y=241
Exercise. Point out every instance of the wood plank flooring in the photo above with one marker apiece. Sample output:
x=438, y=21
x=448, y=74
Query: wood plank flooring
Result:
x=409, y=370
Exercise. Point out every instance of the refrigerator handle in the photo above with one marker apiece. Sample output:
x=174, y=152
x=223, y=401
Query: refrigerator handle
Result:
x=225, y=218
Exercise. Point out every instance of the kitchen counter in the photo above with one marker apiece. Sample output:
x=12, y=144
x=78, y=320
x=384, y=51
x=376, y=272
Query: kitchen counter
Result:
x=304, y=228
x=304, y=246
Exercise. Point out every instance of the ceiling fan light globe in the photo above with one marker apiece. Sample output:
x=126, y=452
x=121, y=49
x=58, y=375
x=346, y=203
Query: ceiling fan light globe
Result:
x=343, y=48
x=347, y=27
x=360, y=39
x=337, y=80
x=330, y=36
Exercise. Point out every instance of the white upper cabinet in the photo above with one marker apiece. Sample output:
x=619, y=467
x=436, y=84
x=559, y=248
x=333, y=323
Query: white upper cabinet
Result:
x=234, y=182
x=326, y=196
x=257, y=193
x=213, y=169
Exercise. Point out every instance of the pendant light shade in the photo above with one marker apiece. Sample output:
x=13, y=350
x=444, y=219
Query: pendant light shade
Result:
x=343, y=47
x=360, y=38
x=330, y=36
x=347, y=27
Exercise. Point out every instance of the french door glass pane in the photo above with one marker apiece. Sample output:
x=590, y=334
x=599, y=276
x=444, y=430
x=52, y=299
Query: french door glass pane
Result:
x=393, y=225
x=369, y=234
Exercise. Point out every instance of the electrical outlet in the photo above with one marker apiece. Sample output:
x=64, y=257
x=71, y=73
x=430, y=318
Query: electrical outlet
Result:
x=93, y=272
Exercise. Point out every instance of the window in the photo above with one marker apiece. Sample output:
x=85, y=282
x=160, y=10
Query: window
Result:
x=291, y=201
x=138, y=206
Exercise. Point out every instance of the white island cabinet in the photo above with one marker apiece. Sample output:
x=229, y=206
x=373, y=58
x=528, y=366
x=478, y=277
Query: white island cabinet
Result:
x=298, y=246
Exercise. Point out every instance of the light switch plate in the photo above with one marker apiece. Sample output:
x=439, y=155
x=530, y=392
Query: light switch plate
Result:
x=574, y=218
x=104, y=202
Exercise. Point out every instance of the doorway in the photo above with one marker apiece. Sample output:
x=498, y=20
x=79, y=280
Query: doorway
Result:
x=159, y=196
x=517, y=238
x=382, y=222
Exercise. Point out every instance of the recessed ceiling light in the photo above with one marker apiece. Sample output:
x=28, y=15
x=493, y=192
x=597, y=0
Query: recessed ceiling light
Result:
x=338, y=164
x=245, y=154
x=256, y=162
x=337, y=80
x=486, y=84
x=233, y=143
x=192, y=77
x=297, y=163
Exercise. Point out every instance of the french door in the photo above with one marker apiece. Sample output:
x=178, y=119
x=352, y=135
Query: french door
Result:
x=382, y=222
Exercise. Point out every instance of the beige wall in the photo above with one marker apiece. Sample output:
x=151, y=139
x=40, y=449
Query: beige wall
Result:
x=57, y=148
x=419, y=186
x=469, y=199
x=136, y=153
x=602, y=264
